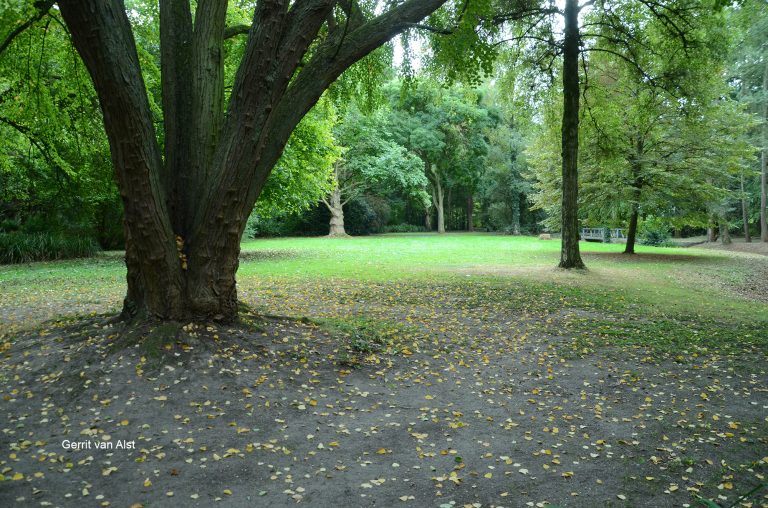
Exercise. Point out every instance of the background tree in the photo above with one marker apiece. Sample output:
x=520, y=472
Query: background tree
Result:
x=370, y=160
x=748, y=22
x=445, y=129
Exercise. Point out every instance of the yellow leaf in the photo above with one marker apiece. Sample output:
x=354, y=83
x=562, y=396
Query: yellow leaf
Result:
x=147, y=483
x=227, y=492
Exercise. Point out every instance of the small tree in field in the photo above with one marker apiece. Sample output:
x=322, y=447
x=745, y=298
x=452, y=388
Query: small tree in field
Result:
x=187, y=201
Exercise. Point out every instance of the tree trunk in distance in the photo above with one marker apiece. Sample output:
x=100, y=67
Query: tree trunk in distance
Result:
x=570, y=257
x=711, y=231
x=745, y=212
x=337, y=214
x=470, y=212
x=516, y=213
x=764, y=163
x=438, y=195
x=632, y=230
x=725, y=235
x=428, y=218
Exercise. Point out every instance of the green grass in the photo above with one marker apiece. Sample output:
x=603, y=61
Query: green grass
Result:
x=678, y=280
x=670, y=287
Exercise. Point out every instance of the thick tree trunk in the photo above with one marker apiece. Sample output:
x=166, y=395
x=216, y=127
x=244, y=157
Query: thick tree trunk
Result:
x=570, y=257
x=745, y=212
x=428, y=218
x=470, y=212
x=337, y=214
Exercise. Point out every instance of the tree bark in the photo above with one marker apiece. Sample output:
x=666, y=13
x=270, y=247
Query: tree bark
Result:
x=185, y=214
x=428, y=218
x=570, y=257
x=745, y=212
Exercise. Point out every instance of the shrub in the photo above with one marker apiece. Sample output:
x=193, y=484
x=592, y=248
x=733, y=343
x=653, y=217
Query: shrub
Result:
x=404, y=228
x=19, y=247
x=655, y=231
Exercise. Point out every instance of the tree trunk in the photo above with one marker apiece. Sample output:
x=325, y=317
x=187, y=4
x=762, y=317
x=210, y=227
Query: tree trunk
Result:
x=438, y=195
x=764, y=164
x=632, y=230
x=637, y=187
x=337, y=213
x=711, y=231
x=725, y=234
x=570, y=256
x=470, y=212
x=745, y=212
x=515, y=206
x=439, y=204
x=428, y=218
x=185, y=213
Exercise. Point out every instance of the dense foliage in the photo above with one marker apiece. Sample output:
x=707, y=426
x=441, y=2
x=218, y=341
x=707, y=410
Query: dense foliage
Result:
x=670, y=138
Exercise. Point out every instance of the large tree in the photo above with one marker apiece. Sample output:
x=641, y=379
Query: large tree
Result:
x=371, y=160
x=446, y=130
x=187, y=201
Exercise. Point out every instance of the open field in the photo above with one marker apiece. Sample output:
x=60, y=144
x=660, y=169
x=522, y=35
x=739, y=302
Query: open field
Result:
x=397, y=370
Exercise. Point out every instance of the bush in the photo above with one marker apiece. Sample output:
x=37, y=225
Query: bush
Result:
x=404, y=228
x=360, y=217
x=655, y=231
x=27, y=247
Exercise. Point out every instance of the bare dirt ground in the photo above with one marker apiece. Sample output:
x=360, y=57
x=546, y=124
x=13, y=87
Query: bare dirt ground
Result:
x=442, y=395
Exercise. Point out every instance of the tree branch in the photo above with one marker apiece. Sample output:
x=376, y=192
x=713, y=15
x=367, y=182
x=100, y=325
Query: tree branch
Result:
x=42, y=10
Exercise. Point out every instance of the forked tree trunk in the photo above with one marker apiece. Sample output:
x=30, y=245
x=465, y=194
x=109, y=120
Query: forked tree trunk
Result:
x=570, y=257
x=185, y=213
x=745, y=212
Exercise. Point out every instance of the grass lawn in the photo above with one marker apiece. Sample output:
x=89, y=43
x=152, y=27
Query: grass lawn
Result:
x=397, y=370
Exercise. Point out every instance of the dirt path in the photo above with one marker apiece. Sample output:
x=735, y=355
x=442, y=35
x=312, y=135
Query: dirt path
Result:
x=455, y=400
